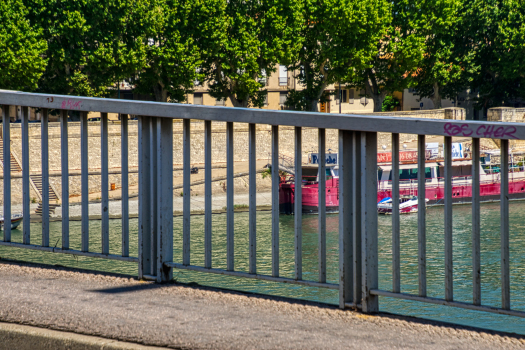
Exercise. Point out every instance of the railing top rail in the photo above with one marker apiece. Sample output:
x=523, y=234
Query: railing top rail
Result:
x=463, y=128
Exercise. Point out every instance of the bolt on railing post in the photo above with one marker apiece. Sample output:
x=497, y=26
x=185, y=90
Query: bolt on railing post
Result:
x=369, y=232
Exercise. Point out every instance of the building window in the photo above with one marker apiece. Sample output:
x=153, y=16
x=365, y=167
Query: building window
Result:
x=283, y=76
x=282, y=98
x=266, y=99
x=343, y=98
x=198, y=99
x=351, y=96
x=220, y=102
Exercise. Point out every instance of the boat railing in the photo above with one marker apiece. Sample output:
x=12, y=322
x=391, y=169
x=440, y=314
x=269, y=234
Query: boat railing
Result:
x=357, y=277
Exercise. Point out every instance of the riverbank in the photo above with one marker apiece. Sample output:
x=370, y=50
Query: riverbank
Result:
x=186, y=316
x=241, y=201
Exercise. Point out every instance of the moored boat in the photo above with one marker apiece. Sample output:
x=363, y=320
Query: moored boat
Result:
x=407, y=204
x=16, y=220
x=408, y=183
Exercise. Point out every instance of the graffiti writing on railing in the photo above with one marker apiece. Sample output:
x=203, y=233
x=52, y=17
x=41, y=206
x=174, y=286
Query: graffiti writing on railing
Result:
x=71, y=104
x=488, y=131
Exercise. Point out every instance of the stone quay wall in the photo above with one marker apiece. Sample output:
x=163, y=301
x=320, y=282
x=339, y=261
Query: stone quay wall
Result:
x=241, y=148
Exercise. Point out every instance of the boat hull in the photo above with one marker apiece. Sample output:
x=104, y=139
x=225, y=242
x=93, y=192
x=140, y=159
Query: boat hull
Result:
x=462, y=194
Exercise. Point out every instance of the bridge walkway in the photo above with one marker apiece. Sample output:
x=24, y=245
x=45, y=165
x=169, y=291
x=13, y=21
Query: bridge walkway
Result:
x=190, y=316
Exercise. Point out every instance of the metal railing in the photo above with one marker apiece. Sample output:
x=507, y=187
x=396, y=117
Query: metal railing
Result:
x=358, y=222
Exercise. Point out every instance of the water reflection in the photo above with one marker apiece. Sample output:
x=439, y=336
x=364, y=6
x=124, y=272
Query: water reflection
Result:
x=490, y=258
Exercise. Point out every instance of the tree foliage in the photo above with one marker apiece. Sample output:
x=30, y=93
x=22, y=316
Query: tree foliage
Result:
x=338, y=41
x=494, y=34
x=92, y=44
x=22, y=48
x=242, y=41
x=171, y=49
x=442, y=71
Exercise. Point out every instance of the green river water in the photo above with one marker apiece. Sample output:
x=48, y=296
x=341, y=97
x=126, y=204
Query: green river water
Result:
x=490, y=259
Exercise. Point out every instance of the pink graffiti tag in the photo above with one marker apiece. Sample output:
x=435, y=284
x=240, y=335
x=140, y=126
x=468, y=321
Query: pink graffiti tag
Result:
x=71, y=104
x=487, y=131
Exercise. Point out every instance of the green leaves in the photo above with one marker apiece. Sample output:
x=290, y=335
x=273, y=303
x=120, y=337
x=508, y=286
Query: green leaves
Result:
x=338, y=42
x=22, y=48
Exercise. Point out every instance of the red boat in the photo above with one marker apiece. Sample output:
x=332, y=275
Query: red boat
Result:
x=434, y=191
x=310, y=191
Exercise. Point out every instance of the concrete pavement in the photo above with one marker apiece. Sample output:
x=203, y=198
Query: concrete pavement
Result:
x=192, y=317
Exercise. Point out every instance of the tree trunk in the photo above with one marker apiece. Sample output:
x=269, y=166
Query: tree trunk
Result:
x=238, y=103
x=314, y=102
x=378, y=101
x=436, y=98
x=161, y=95
x=377, y=96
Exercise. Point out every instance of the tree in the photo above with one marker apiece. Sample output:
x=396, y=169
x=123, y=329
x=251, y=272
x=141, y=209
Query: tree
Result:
x=173, y=57
x=495, y=33
x=399, y=53
x=339, y=39
x=443, y=70
x=92, y=44
x=242, y=41
x=22, y=48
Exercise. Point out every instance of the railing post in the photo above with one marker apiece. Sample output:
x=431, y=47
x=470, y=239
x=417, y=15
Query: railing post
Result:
x=346, y=177
x=155, y=198
x=356, y=224
x=164, y=184
x=369, y=257
x=145, y=256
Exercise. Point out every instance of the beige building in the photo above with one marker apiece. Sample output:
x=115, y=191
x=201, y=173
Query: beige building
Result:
x=278, y=85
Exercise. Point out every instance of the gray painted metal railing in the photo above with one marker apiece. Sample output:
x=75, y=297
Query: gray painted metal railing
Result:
x=358, y=224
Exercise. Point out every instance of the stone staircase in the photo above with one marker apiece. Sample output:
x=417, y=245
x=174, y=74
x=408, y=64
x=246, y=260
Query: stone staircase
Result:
x=53, y=197
x=15, y=167
x=35, y=180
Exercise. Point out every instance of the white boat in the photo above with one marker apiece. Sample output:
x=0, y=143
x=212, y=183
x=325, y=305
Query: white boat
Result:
x=407, y=204
x=16, y=220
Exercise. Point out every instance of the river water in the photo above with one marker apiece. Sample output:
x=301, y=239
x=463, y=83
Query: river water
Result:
x=490, y=259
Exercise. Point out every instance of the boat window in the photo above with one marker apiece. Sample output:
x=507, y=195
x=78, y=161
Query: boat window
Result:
x=410, y=174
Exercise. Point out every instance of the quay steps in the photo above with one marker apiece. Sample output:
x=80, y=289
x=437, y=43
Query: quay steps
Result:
x=36, y=181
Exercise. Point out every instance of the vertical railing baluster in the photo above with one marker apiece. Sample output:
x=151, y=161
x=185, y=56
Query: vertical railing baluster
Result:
x=253, y=198
x=449, y=276
x=421, y=216
x=207, y=195
x=230, y=252
x=64, y=168
x=186, y=224
x=25, y=182
x=275, y=200
x=44, y=145
x=504, y=225
x=369, y=302
x=476, y=223
x=124, y=165
x=321, y=193
x=84, y=180
x=104, y=182
x=346, y=174
x=7, y=171
x=298, y=204
x=396, y=245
